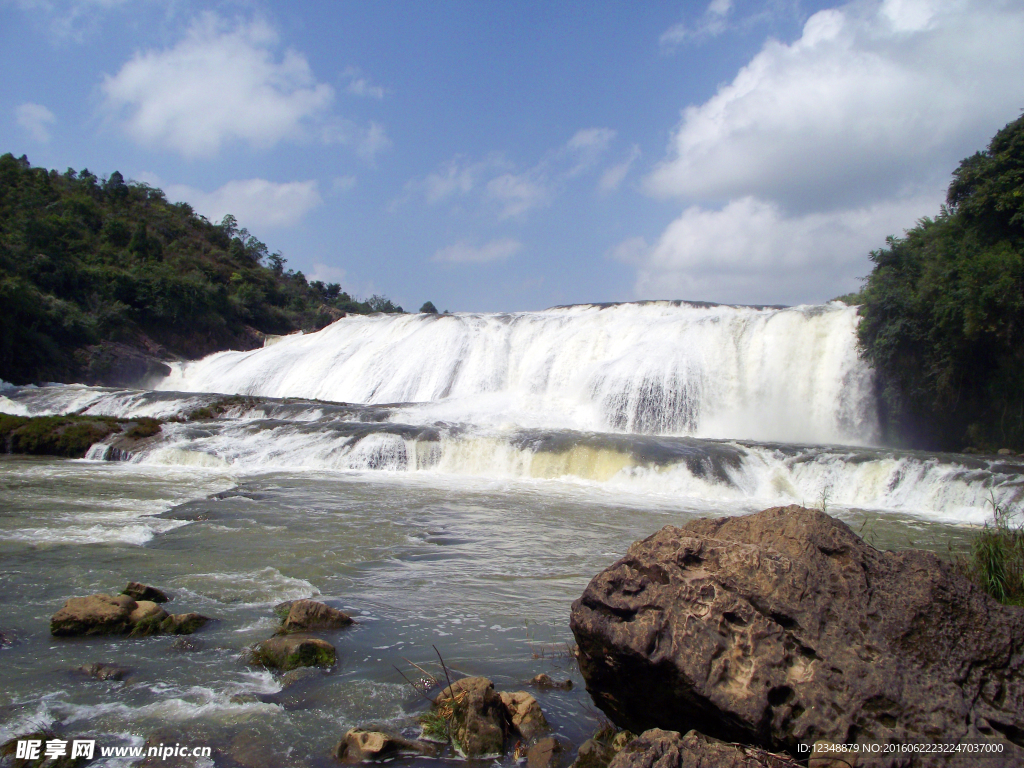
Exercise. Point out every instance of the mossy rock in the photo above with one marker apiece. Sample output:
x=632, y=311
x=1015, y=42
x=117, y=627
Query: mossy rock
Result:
x=287, y=652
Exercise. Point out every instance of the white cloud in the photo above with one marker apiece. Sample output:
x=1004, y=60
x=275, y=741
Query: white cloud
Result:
x=614, y=176
x=518, y=193
x=515, y=192
x=71, y=19
x=36, y=120
x=711, y=24
x=372, y=140
x=258, y=204
x=219, y=84
x=343, y=183
x=751, y=251
x=817, y=150
x=871, y=97
x=359, y=85
x=586, y=148
x=465, y=253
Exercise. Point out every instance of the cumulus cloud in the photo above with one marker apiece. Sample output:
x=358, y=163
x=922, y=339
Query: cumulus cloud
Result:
x=256, y=203
x=466, y=253
x=36, y=120
x=751, y=251
x=221, y=83
x=819, y=149
x=871, y=97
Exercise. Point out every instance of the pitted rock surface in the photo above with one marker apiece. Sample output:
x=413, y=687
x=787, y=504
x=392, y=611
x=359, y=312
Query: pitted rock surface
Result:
x=667, y=749
x=784, y=628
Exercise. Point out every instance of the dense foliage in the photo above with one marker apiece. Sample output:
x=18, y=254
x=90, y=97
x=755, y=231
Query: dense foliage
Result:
x=943, y=310
x=85, y=260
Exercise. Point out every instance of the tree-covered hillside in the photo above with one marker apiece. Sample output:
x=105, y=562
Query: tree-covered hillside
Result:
x=943, y=310
x=88, y=265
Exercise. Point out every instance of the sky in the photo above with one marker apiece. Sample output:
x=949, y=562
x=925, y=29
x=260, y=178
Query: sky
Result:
x=507, y=156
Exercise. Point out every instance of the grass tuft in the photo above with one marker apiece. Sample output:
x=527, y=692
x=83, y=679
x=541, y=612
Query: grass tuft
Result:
x=996, y=560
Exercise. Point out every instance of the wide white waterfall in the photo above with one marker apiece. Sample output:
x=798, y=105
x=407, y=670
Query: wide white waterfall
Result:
x=665, y=368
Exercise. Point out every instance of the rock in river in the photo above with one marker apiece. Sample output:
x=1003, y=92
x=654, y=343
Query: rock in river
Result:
x=784, y=628
x=308, y=615
x=477, y=715
x=102, y=614
x=287, y=652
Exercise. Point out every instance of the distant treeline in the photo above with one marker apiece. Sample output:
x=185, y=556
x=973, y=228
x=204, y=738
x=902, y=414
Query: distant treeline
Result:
x=943, y=311
x=85, y=260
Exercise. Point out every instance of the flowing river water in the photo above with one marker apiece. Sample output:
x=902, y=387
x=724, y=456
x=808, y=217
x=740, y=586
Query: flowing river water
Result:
x=452, y=482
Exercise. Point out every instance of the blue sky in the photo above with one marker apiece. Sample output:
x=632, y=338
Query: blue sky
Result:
x=518, y=155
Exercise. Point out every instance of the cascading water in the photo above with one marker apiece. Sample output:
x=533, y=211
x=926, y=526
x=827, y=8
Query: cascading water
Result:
x=655, y=368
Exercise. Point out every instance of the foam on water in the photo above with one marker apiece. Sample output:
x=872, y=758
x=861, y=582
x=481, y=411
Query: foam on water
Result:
x=267, y=586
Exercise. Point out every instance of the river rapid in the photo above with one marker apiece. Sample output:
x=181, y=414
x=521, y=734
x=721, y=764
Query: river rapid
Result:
x=452, y=482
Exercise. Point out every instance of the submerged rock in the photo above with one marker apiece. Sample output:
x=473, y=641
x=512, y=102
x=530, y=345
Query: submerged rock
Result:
x=287, y=652
x=546, y=753
x=667, y=749
x=137, y=591
x=308, y=615
x=784, y=628
x=103, y=671
x=185, y=644
x=546, y=681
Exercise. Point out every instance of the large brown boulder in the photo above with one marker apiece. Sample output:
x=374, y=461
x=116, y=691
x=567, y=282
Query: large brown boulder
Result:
x=667, y=749
x=784, y=628
x=94, y=615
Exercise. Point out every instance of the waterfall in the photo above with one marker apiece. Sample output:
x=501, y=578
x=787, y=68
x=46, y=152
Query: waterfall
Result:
x=660, y=368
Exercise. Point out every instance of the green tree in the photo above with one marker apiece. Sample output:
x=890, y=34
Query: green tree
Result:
x=943, y=310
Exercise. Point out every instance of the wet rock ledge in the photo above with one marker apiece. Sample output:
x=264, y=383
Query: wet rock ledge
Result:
x=783, y=629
